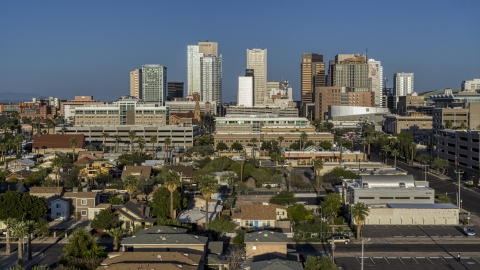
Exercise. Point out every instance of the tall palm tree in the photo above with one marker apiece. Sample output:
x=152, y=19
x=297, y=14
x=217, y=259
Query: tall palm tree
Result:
x=153, y=141
x=303, y=139
x=369, y=141
x=208, y=186
x=130, y=184
x=318, y=166
x=280, y=139
x=9, y=225
x=105, y=135
x=49, y=125
x=116, y=234
x=395, y=153
x=167, y=142
x=56, y=165
x=117, y=138
x=73, y=145
x=254, y=141
x=3, y=149
x=141, y=143
x=385, y=149
x=20, y=231
x=30, y=226
x=64, y=130
x=413, y=147
x=172, y=182
x=340, y=142
x=359, y=213
x=131, y=136
x=5, y=128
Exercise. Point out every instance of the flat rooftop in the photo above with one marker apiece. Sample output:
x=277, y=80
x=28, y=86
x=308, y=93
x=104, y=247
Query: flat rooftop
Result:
x=422, y=205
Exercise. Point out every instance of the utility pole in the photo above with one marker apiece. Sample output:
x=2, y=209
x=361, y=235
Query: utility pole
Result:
x=333, y=239
x=363, y=244
x=426, y=166
x=459, y=172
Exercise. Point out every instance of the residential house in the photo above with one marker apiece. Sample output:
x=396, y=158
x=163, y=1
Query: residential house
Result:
x=112, y=157
x=56, y=142
x=186, y=172
x=140, y=172
x=82, y=201
x=8, y=186
x=59, y=208
x=152, y=260
x=19, y=175
x=94, y=155
x=21, y=164
x=154, y=163
x=184, y=243
x=134, y=213
x=161, y=230
x=220, y=177
x=94, y=210
x=46, y=192
x=276, y=264
x=83, y=162
x=266, y=245
x=93, y=170
x=259, y=215
x=196, y=217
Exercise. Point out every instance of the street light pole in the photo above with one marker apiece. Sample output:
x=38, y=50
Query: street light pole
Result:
x=426, y=171
x=321, y=223
x=459, y=198
x=333, y=240
x=363, y=244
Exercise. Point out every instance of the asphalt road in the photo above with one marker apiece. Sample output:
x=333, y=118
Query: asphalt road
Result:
x=470, y=199
x=387, y=248
x=51, y=256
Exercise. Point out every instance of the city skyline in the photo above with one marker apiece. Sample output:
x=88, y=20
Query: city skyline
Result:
x=66, y=49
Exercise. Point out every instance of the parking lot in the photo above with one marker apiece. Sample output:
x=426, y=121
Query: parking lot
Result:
x=412, y=231
x=411, y=263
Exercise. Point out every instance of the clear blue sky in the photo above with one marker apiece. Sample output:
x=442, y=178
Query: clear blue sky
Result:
x=67, y=48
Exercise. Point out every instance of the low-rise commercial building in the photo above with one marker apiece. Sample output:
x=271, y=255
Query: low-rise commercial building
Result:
x=467, y=116
x=309, y=155
x=326, y=96
x=78, y=101
x=185, y=105
x=415, y=124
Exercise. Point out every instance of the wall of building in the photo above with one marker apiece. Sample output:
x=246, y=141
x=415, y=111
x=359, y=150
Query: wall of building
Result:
x=403, y=216
x=257, y=249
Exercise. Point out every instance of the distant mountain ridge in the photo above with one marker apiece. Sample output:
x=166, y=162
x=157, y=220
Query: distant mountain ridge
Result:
x=11, y=97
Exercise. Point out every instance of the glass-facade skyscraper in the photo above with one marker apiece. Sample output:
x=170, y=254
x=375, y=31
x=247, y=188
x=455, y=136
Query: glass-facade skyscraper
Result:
x=154, y=84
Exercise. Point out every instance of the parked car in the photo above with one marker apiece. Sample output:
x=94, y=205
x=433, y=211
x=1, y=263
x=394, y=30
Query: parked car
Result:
x=469, y=231
x=339, y=239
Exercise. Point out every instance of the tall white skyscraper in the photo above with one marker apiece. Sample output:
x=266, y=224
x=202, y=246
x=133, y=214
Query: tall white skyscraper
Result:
x=154, y=84
x=204, y=71
x=193, y=69
x=375, y=73
x=402, y=84
x=245, y=91
x=211, y=78
x=257, y=60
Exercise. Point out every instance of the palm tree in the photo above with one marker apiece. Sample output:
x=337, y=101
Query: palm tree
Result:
x=73, y=145
x=359, y=213
x=130, y=184
x=30, y=226
x=105, y=135
x=413, y=147
x=3, y=149
x=116, y=234
x=167, y=142
x=141, y=143
x=280, y=139
x=20, y=231
x=369, y=141
x=395, y=153
x=64, y=130
x=303, y=139
x=172, y=182
x=208, y=186
x=56, y=165
x=385, y=149
x=9, y=225
x=117, y=138
x=153, y=141
x=5, y=128
x=253, y=140
x=131, y=136
x=318, y=166
x=49, y=125
x=340, y=142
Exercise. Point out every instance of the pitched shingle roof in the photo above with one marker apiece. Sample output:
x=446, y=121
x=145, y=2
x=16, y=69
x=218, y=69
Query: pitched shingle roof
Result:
x=266, y=237
x=137, y=171
x=276, y=264
x=83, y=161
x=161, y=230
x=37, y=190
x=115, y=258
x=56, y=141
x=165, y=239
x=80, y=194
x=187, y=171
x=258, y=212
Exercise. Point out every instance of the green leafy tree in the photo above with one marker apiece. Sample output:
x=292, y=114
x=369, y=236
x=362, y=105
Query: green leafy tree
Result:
x=298, y=212
x=448, y=125
x=105, y=220
x=20, y=230
x=116, y=234
x=242, y=187
x=326, y=145
x=208, y=186
x=280, y=139
x=444, y=199
x=284, y=198
x=395, y=153
x=130, y=183
x=73, y=145
x=294, y=146
x=319, y=263
x=303, y=139
x=237, y=146
x=440, y=164
x=115, y=200
x=318, y=167
x=359, y=213
x=160, y=204
x=331, y=204
x=81, y=244
x=230, y=178
x=385, y=150
x=336, y=173
x=221, y=146
x=222, y=225
x=239, y=239
x=172, y=182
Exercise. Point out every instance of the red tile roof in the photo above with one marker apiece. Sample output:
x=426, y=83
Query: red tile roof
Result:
x=56, y=141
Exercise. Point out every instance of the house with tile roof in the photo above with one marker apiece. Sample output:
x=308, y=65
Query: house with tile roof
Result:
x=56, y=142
x=263, y=215
x=46, y=192
x=19, y=175
x=268, y=244
x=131, y=214
x=94, y=155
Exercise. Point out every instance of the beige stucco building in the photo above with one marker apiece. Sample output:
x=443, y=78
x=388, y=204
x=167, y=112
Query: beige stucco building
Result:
x=415, y=124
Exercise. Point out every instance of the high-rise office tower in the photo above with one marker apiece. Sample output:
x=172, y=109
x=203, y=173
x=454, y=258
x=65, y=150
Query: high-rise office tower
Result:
x=312, y=71
x=402, y=84
x=204, y=71
x=257, y=60
x=136, y=83
x=211, y=78
x=175, y=89
x=353, y=72
x=245, y=91
x=154, y=84
x=375, y=73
